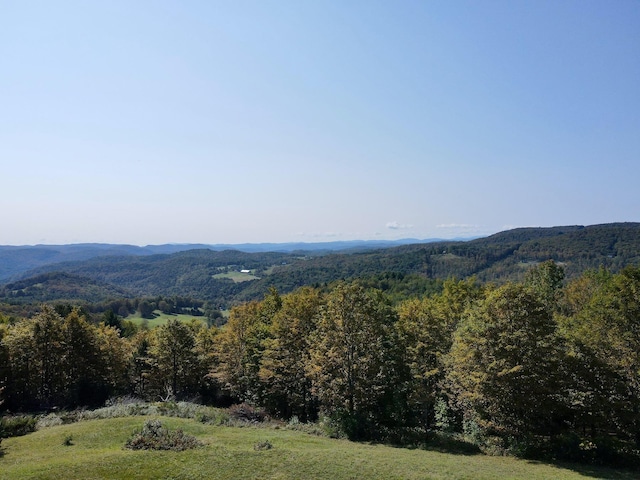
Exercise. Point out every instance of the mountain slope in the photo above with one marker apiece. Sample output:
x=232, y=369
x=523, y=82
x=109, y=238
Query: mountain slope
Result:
x=60, y=286
x=16, y=260
x=501, y=257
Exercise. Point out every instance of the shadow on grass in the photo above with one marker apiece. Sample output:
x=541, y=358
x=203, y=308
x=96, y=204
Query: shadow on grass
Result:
x=456, y=445
x=450, y=444
x=437, y=442
x=593, y=471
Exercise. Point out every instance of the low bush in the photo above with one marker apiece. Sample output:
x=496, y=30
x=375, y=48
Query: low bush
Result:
x=50, y=420
x=15, y=426
x=155, y=436
x=247, y=413
x=264, y=445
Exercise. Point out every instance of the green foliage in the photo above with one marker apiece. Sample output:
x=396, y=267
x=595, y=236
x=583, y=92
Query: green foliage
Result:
x=545, y=280
x=515, y=369
x=355, y=360
x=603, y=334
x=62, y=361
x=110, y=319
x=60, y=286
x=402, y=272
x=155, y=436
x=426, y=328
x=17, y=425
x=504, y=365
x=246, y=413
x=239, y=349
x=145, y=309
x=176, y=367
x=283, y=366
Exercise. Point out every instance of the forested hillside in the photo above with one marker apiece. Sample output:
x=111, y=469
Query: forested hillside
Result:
x=406, y=270
x=543, y=368
x=16, y=260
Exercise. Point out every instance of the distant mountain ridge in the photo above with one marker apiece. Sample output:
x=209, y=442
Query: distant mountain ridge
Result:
x=217, y=276
x=15, y=260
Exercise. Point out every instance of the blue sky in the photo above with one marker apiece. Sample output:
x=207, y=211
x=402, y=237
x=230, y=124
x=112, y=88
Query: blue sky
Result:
x=150, y=122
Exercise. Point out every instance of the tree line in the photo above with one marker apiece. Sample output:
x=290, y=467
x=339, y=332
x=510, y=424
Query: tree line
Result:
x=543, y=364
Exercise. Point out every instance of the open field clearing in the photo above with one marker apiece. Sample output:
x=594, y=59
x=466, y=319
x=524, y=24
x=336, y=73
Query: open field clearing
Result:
x=237, y=277
x=162, y=318
x=97, y=450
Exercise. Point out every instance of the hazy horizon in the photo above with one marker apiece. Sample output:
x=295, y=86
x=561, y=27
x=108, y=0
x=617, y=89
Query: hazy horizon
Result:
x=381, y=240
x=155, y=122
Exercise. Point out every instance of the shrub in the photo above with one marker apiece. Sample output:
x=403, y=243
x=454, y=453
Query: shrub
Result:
x=213, y=416
x=247, y=413
x=17, y=425
x=265, y=445
x=155, y=436
x=331, y=427
x=50, y=420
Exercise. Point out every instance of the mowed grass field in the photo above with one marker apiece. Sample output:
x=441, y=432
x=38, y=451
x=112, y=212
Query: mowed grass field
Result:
x=163, y=318
x=98, y=452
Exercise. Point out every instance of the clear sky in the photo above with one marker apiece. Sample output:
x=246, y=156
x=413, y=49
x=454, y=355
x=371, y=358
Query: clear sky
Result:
x=212, y=121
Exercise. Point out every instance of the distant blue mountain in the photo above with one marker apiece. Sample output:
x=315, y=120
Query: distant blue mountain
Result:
x=15, y=260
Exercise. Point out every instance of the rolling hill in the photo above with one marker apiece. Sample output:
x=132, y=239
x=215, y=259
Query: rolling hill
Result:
x=197, y=273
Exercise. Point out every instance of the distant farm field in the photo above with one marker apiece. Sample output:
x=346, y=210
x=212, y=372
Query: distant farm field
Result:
x=237, y=277
x=95, y=450
x=162, y=318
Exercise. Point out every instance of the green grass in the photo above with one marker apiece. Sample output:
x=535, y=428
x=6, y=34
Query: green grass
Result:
x=163, y=318
x=97, y=451
x=237, y=277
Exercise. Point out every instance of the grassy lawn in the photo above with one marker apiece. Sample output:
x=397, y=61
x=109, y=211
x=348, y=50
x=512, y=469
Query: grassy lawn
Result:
x=163, y=318
x=97, y=452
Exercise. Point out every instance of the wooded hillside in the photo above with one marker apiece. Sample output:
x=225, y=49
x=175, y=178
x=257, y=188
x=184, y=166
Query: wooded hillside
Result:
x=407, y=270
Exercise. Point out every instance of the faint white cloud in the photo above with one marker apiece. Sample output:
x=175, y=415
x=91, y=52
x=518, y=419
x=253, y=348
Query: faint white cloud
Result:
x=459, y=226
x=398, y=226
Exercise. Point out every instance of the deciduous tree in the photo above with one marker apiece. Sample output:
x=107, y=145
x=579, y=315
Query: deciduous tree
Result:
x=176, y=359
x=504, y=364
x=355, y=363
x=283, y=369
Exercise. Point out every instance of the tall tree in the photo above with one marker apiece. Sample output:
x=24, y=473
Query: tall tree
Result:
x=426, y=327
x=355, y=360
x=4, y=363
x=283, y=368
x=504, y=364
x=546, y=281
x=240, y=346
x=116, y=354
x=173, y=349
x=50, y=349
x=238, y=352
x=603, y=331
x=81, y=361
x=22, y=380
